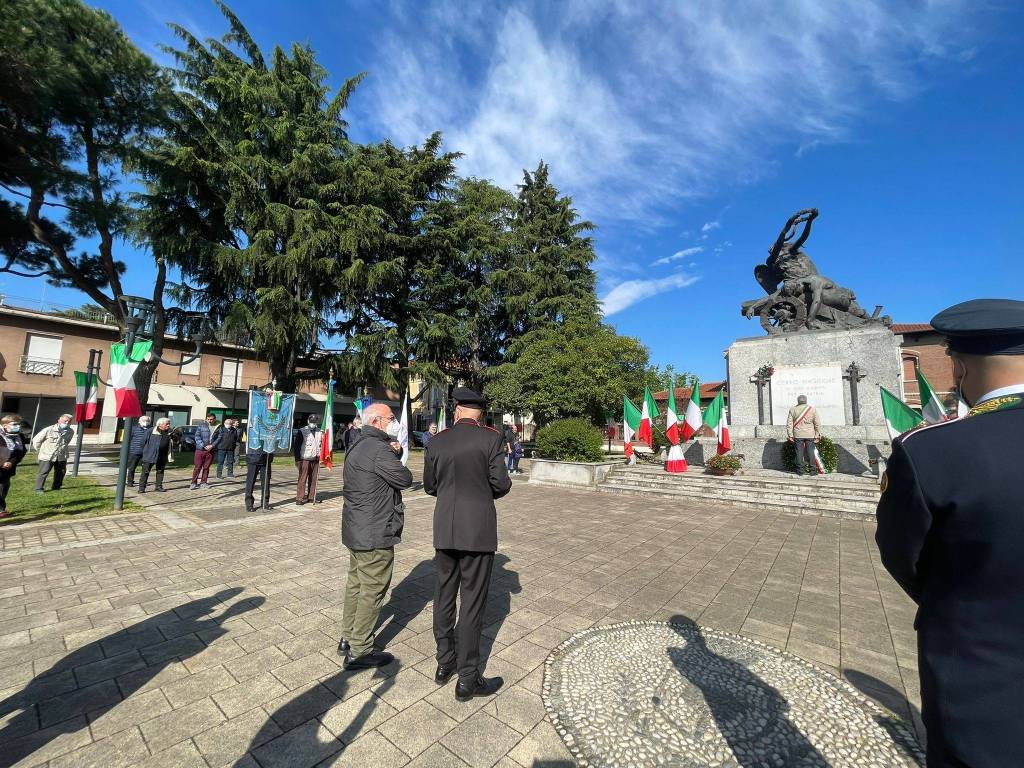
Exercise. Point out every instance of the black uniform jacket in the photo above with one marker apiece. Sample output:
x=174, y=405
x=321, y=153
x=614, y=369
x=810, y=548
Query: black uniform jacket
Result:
x=951, y=532
x=465, y=468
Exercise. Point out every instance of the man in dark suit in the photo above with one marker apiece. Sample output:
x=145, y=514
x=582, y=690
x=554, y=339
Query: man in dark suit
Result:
x=951, y=532
x=256, y=462
x=464, y=467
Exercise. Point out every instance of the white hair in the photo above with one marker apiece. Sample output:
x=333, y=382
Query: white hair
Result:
x=163, y=420
x=65, y=416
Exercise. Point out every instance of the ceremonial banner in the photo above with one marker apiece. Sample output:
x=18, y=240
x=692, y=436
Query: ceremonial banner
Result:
x=931, y=407
x=403, y=430
x=714, y=418
x=676, y=462
x=85, y=409
x=327, y=447
x=270, y=429
x=899, y=417
x=630, y=426
x=122, y=377
x=693, y=420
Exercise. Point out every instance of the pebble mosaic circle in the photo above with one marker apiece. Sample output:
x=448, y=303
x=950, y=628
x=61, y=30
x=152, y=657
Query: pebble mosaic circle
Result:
x=645, y=694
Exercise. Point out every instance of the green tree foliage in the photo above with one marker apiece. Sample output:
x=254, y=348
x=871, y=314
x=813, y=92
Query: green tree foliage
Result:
x=75, y=97
x=570, y=440
x=248, y=192
x=578, y=369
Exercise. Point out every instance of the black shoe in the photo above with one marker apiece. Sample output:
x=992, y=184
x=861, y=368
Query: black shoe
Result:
x=249, y=509
x=300, y=503
x=444, y=673
x=482, y=686
x=162, y=490
x=343, y=647
x=369, y=660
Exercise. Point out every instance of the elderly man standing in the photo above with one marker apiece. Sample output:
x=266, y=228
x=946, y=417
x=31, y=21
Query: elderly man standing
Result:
x=372, y=520
x=803, y=427
x=465, y=469
x=52, y=446
x=306, y=449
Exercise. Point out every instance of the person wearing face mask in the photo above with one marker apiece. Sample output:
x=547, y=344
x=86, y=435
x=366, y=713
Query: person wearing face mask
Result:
x=155, y=452
x=951, y=532
x=140, y=431
x=372, y=520
x=306, y=448
x=52, y=446
x=12, y=451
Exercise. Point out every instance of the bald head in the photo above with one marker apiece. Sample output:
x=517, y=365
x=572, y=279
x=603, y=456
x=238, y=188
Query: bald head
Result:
x=474, y=412
x=377, y=415
x=977, y=375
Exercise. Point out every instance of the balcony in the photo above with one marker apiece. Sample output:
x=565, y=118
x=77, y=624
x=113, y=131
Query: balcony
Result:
x=41, y=365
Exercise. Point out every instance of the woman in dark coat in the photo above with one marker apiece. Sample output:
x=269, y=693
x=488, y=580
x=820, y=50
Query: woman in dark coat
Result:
x=155, y=452
x=12, y=451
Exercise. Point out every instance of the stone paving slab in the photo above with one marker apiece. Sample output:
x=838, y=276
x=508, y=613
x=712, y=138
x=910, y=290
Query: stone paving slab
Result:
x=214, y=644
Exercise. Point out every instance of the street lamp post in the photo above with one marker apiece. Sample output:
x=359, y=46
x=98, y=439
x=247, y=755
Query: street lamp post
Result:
x=139, y=321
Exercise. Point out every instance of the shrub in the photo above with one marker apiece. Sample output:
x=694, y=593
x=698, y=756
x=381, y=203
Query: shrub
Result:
x=826, y=449
x=570, y=440
x=724, y=462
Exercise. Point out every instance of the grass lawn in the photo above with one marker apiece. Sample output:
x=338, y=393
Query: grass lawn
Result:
x=79, y=497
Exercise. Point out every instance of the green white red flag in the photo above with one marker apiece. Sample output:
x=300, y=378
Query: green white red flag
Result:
x=899, y=417
x=931, y=407
x=327, y=446
x=85, y=404
x=714, y=418
x=403, y=429
x=693, y=421
x=631, y=420
x=648, y=413
x=675, y=461
x=122, y=378
x=442, y=419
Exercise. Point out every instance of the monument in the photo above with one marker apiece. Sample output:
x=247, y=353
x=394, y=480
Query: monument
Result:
x=821, y=343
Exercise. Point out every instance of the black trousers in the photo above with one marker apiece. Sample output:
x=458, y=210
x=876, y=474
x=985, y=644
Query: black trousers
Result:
x=468, y=576
x=134, y=459
x=253, y=472
x=5, y=486
x=59, y=468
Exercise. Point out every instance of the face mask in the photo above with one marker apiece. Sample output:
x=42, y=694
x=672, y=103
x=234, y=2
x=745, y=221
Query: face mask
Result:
x=63, y=426
x=143, y=423
x=13, y=429
x=394, y=428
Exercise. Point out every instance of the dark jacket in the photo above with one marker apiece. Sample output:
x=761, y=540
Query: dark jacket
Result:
x=226, y=438
x=951, y=532
x=139, y=434
x=257, y=455
x=465, y=468
x=155, y=450
x=300, y=439
x=13, y=453
x=352, y=437
x=373, y=516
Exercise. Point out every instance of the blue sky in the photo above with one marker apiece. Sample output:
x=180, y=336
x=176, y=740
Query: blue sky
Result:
x=689, y=133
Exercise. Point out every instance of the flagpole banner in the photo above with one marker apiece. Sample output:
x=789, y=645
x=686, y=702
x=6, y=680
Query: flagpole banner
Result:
x=403, y=430
x=122, y=377
x=270, y=429
x=899, y=417
x=630, y=427
x=86, y=409
x=693, y=419
x=714, y=418
x=327, y=446
x=931, y=407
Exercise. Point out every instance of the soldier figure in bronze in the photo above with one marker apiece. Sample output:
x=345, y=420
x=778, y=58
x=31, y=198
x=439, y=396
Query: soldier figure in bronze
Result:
x=799, y=298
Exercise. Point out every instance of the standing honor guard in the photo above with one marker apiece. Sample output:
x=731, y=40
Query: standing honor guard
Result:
x=464, y=467
x=951, y=532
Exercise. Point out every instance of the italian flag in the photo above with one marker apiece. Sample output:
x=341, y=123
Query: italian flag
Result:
x=693, y=420
x=442, y=419
x=648, y=413
x=403, y=429
x=631, y=420
x=899, y=417
x=675, y=461
x=85, y=407
x=931, y=407
x=327, y=446
x=122, y=378
x=714, y=418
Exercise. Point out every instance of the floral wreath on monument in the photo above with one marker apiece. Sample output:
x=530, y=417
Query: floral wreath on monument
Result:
x=826, y=449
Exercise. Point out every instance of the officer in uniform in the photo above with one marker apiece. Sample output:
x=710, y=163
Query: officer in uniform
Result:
x=951, y=532
x=257, y=461
x=464, y=467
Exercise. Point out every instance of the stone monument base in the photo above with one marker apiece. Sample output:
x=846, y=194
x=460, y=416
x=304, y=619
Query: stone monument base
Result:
x=857, y=456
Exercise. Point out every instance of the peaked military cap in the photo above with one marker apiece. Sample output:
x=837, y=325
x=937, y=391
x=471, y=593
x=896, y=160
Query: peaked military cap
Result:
x=983, y=327
x=466, y=396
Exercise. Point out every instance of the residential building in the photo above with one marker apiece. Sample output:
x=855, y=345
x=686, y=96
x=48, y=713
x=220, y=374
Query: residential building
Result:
x=923, y=347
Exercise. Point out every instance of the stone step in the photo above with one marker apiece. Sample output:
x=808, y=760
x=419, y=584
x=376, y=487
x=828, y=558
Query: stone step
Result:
x=714, y=484
x=824, y=500
x=806, y=505
x=852, y=482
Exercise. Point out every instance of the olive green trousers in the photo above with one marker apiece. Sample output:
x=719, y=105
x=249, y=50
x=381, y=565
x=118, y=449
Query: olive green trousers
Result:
x=369, y=576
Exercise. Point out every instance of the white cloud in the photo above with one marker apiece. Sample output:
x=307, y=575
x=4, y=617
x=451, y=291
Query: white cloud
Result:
x=710, y=225
x=636, y=106
x=625, y=295
x=678, y=255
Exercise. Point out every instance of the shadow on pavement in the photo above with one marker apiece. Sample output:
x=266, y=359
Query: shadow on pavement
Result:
x=504, y=584
x=408, y=600
x=893, y=700
x=54, y=703
x=750, y=714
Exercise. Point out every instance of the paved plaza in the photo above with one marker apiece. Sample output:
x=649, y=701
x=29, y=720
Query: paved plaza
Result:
x=193, y=635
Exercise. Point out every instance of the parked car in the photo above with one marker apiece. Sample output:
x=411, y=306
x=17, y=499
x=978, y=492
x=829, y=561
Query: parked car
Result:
x=185, y=438
x=529, y=449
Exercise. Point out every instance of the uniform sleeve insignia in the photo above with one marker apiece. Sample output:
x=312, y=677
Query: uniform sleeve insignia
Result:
x=996, y=404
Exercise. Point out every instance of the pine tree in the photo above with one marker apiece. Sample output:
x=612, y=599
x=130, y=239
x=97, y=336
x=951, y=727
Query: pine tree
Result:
x=248, y=192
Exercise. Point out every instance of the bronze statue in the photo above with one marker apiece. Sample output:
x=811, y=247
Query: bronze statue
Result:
x=799, y=298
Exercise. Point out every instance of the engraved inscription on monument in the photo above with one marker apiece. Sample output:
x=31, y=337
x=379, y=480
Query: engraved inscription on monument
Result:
x=823, y=385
